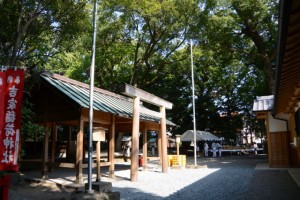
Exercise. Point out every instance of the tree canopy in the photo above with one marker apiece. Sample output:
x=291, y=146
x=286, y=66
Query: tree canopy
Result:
x=147, y=43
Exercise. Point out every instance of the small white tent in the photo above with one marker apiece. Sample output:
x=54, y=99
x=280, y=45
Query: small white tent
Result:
x=200, y=136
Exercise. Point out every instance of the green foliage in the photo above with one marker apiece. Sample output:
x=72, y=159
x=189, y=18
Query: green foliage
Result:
x=146, y=42
x=34, y=31
x=30, y=131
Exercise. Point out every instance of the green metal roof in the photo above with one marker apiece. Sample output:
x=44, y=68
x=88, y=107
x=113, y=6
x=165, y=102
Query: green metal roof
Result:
x=104, y=100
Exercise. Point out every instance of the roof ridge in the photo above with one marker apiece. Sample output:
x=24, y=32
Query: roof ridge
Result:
x=84, y=85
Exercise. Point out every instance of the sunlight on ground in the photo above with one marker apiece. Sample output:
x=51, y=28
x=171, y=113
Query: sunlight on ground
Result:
x=157, y=183
x=226, y=162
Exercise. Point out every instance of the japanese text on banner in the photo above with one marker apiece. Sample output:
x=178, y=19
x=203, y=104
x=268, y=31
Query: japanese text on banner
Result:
x=10, y=133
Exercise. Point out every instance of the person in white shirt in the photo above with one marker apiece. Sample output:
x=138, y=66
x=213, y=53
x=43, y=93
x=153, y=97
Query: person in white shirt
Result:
x=255, y=147
x=214, y=148
x=205, y=149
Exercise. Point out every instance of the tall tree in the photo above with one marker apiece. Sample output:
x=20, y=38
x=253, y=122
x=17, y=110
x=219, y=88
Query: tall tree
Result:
x=145, y=42
x=245, y=31
x=137, y=39
x=33, y=31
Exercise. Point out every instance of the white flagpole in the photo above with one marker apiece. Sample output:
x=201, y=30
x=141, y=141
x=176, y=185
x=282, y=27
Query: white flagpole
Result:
x=194, y=118
x=92, y=72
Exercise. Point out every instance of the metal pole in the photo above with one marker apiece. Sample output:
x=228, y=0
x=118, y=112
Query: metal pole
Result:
x=194, y=118
x=92, y=72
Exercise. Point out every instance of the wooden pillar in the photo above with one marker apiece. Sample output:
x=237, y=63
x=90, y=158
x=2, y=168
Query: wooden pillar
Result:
x=269, y=142
x=98, y=152
x=45, y=155
x=53, y=143
x=145, y=149
x=159, y=146
x=163, y=129
x=79, y=152
x=138, y=95
x=111, y=153
x=118, y=143
x=292, y=124
x=69, y=142
x=135, y=140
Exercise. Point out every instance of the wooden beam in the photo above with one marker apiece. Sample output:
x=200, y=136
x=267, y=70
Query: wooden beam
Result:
x=145, y=96
x=124, y=127
x=152, y=126
x=150, y=112
x=261, y=115
x=72, y=165
x=99, y=117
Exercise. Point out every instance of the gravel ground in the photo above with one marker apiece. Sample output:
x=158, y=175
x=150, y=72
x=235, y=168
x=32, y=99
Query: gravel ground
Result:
x=229, y=177
x=221, y=180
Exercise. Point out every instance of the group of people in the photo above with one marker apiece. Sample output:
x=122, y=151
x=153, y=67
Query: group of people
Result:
x=215, y=147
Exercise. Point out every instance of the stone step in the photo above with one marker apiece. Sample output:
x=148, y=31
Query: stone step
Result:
x=101, y=186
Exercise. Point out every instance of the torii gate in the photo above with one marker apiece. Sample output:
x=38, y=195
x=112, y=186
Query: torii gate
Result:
x=139, y=95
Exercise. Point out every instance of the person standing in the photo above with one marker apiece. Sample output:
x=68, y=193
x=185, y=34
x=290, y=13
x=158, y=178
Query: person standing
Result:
x=255, y=147
x=214, y=148
x=205, y=149
x=219, y=147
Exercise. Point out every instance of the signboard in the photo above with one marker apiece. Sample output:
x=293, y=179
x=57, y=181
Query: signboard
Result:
x=261, y=115
x=11, y=92
x=98, y=134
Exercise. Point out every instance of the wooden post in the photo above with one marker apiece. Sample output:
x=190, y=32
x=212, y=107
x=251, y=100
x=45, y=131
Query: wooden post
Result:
x=118, y=144
x=159, y=146
x=98, y=161
x=53, y=143
x=135, y=140
x=79, y=153
x=145, y=149
x=45, y=156
x=69, y=142
x=269, y=140
x=138, y=94
x=177, y=147
x=164, y=140
x=112, y=147
x=98, y=136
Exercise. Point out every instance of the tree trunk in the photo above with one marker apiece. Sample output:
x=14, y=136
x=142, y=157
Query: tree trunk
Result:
x=18, y=35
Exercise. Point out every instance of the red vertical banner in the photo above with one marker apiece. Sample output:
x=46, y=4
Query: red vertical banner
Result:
x=10, y=133
x=2, y=118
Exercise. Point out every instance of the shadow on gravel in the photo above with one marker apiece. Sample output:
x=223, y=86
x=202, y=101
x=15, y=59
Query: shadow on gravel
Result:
x=236, y=179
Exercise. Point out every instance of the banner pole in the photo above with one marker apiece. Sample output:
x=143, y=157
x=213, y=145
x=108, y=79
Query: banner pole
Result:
x=194, y=117
x=92, y=72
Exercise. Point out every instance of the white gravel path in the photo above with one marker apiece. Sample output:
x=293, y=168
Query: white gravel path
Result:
x=221, y=180
x=158, y=184
x=229, y=177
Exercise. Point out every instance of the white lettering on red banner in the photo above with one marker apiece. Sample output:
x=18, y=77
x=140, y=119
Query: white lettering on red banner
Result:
x=11, y=92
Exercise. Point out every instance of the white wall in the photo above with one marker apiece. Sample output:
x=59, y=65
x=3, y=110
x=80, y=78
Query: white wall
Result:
x=277, y=125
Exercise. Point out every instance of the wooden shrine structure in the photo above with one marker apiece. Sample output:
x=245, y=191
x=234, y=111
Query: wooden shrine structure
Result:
x=59, y=100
